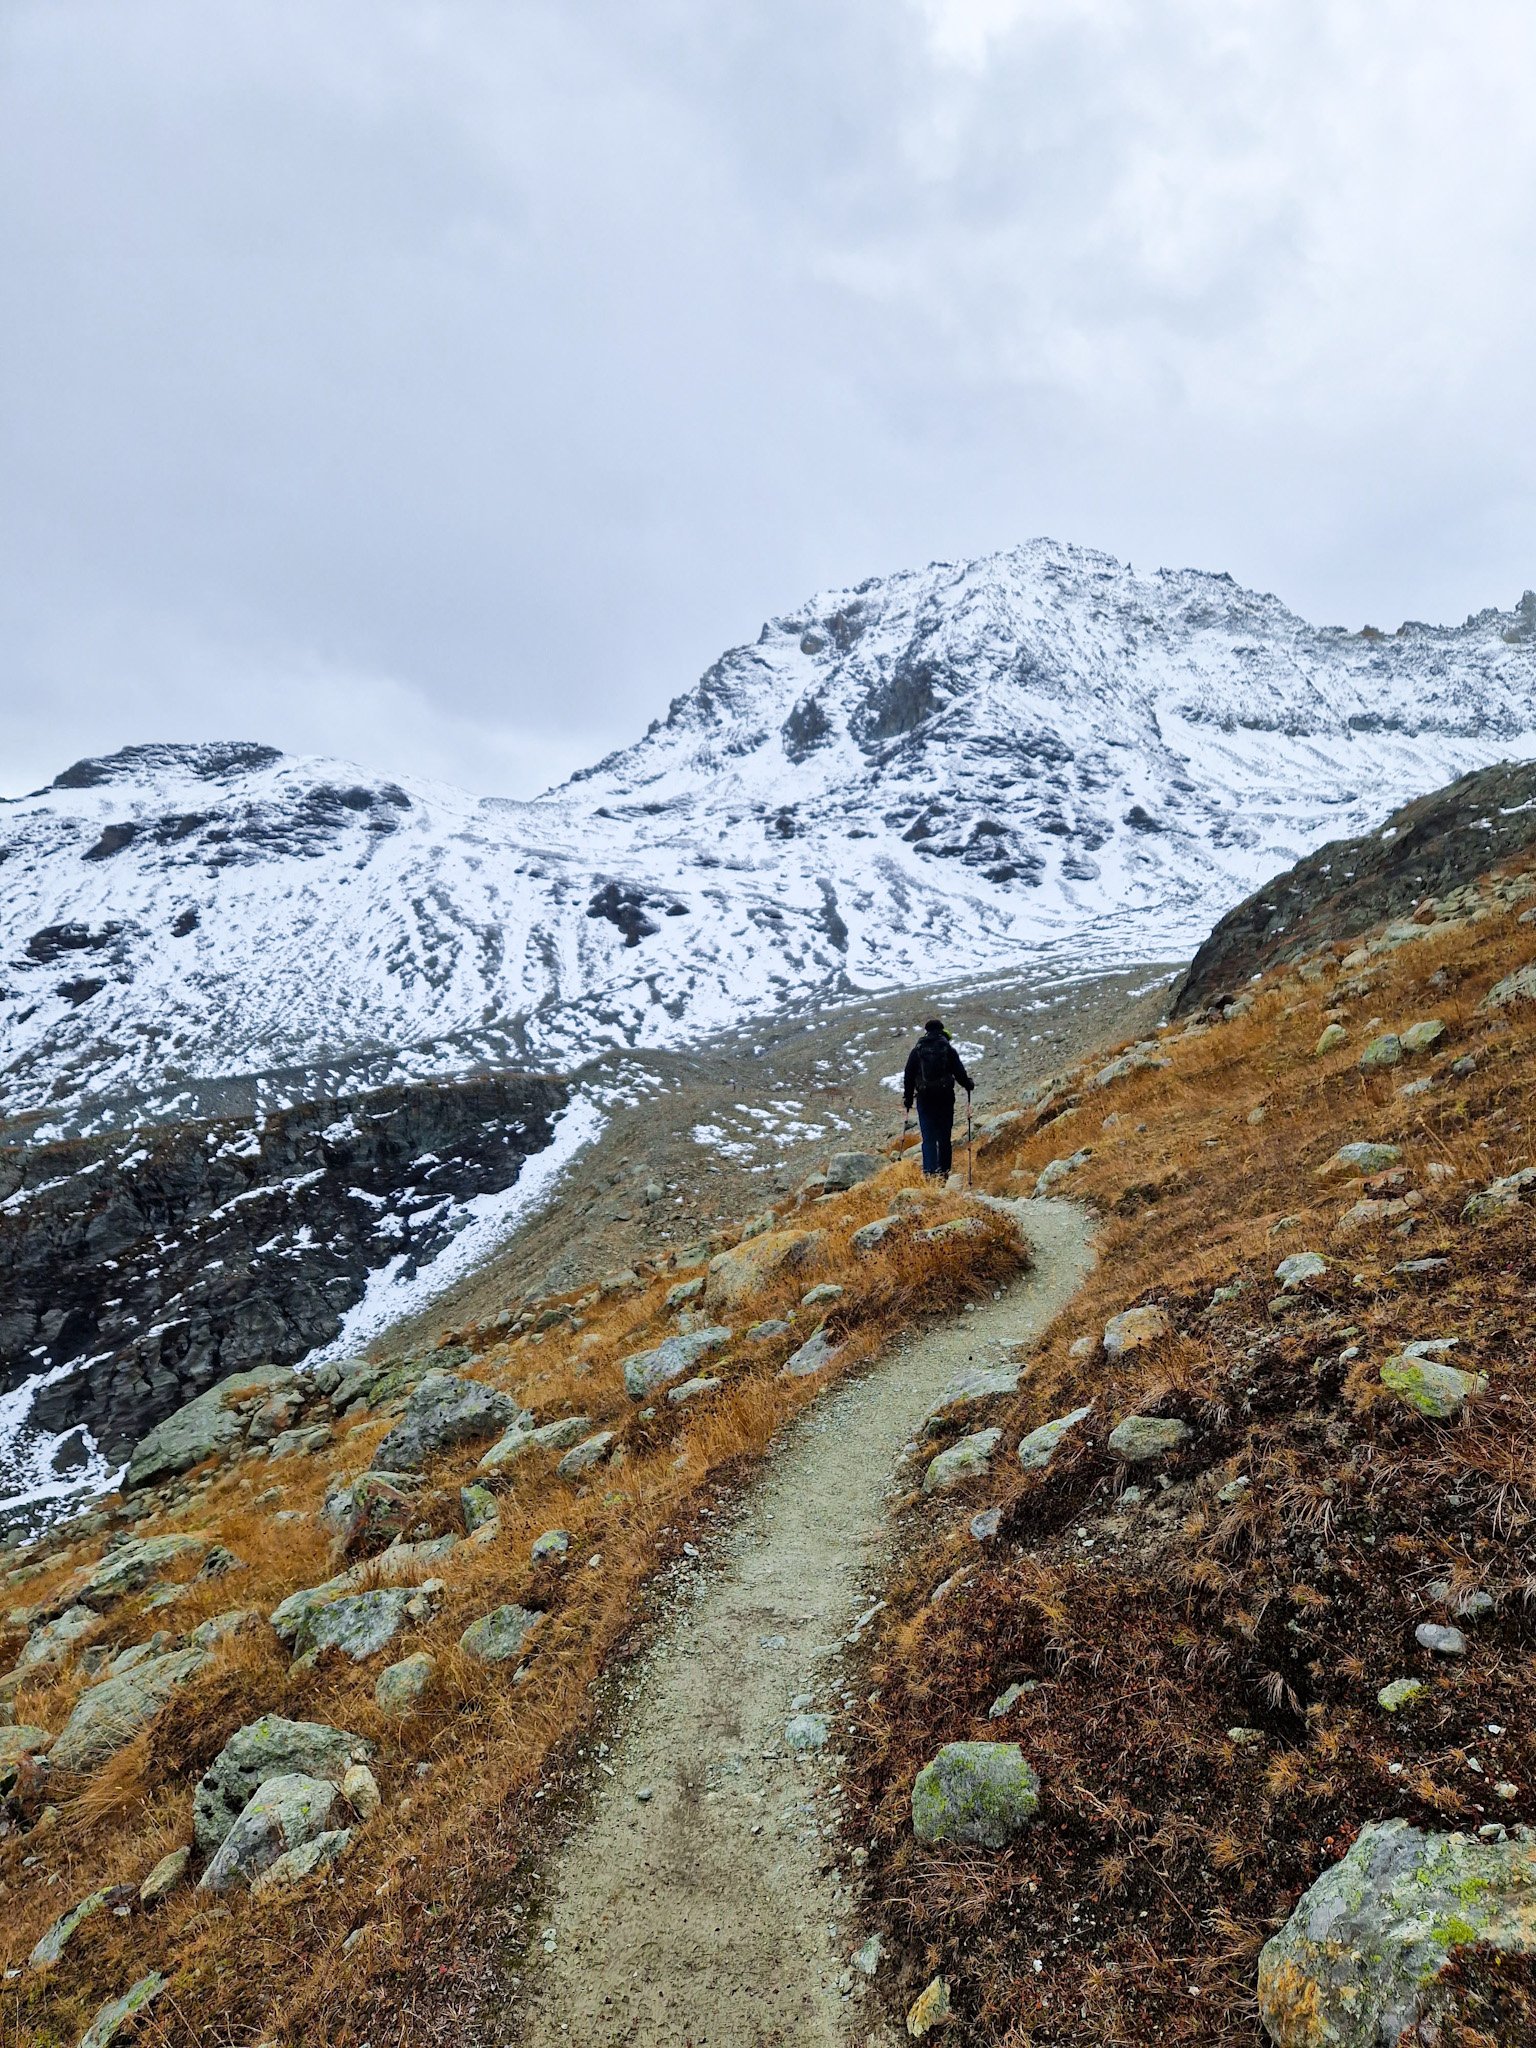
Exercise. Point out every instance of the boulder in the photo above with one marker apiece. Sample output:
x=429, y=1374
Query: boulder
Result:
x=283, y=1813
x=553, y=1543
x=1357, y=1161
x=1299, y=1268
x=870, y=1236
x=1423, y=1037
x=269, y=1748
x=584, y=1456
x=822, y=1296
x=814, y=1355
x=1052, y=1175
x=847, y=1169
x=499, y=1635
x=398, y=1565
x=1333, y=1036
x=1142, y=1437
x=976, y=1794
x=318, y=1853
x=208, y=1427
x=968, y=1459
x=523, y=1437
x=1362, y=1959
x=736, y=1275
x=1430, y=1388
x=1385, y=1051
x=971, y=1389
x=1041, y=1445
x=131, y=1567
x=360, y=1624
x=692, y=1390
x=399, y=1687
x=684, y=1292
x=108, y=1715
x=165, y=1877
x=1501, y=1197
x=118, y=2012
x=1519, y=987
x=22, y=1739
x=360, y=1789
x=52, y=1642
x=673, y=1359
x=478, y=1505
x=443, y=1412
x=374, y=1504
x=51, y=1946
x=1136, y=1329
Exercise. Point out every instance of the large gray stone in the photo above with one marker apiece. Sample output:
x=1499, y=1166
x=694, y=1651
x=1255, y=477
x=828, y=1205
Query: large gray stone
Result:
x=359, y=1624
x=977, y=1794
x=971, y=1389
x=524, y=1437
x=318, y=1853
x=673, y=1359
x=400, y=1564
x=1142, y=1437
x=443, y=1412
x=208, y=1427
x=1041, y=1445
x=1136, y=1329
x=110, y=1714
x=500, y=1634
x=1362, y=1958
x=1430, y=1388
x=52, y=1643
x=814, y=1355
x=117, y=2012
x=132, y=1566
x=967, y=1459
x=51, y=1946
x=400, y=1687
x=847, y=1169
x=1359, y=1160
x=269, y=1748
x=1501, y=1197
x=584, y=1456
x=282, y=1814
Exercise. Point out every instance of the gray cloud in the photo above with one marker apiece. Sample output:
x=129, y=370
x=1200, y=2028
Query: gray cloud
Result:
x=445, y=382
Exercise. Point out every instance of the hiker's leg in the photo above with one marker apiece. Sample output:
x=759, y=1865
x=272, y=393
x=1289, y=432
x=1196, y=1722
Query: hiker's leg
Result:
x=943, y=1120
x=925, y=1128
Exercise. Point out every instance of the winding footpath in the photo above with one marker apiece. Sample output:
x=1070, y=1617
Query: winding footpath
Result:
x=700, y=1906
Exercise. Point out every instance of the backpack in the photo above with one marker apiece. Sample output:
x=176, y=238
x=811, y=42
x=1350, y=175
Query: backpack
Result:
x=935, y=1064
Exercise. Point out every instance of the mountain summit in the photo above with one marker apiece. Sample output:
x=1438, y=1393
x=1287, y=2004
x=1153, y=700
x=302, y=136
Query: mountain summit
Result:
x=1038, y=754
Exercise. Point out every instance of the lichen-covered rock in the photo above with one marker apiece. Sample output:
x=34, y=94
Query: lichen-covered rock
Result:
x=971, y=1389
x=1501, y=1196
x=374, y=1508
x=1385, y=1051
x=359, y=1624
x=208, y=1427
x=553, y=1543
x=673, y=1359
x=397, y=1565
x=1358, y=1160
x=115, y=2014
x=693, y=1390
x=1299, y=1268
x=52, y=1642
x=399, y=1687
x=1332, y=1037
x=318, y=1853
x=804, y=1732
x=269, y=1748
x=684, y=1292
x=525, y=1436
x=1423, y=1037
x=500, y=1634
x=1361, y=1959
x=1041, y=1445
x=166, y=1875
x=51, y=1946
x=282, y=1814
x=1136, y=1329
x=478, y=1505
x=847, y=1169
x=23, y=1739
x=584, y=1456
x=1053, y=1174
x=110, y=1714
x=1519, y=987
x=1142, y=1437
x=1430, y=1388
x=930, y=2009
x=736, y=1275
x=132, y=1566
x=870, y=1236
x=814, y=1355
x=443, y=1412
x=1400, y=1693
x=968, y=1459
x=977, y=1794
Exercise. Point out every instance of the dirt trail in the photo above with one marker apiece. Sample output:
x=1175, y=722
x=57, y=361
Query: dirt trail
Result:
x=700, y=1906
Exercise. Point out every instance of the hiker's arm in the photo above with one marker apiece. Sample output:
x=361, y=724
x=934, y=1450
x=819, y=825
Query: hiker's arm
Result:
x=960, y=1074
x=909, y=1080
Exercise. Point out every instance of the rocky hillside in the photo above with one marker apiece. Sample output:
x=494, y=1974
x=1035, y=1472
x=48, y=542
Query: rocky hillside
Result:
x=1423, y=863
x=1039, y=755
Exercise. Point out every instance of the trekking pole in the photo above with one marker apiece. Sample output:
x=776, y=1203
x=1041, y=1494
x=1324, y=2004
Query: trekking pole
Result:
x=967, y=1137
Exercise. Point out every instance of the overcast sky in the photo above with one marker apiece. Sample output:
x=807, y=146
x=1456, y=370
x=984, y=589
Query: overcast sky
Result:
x=444, y=383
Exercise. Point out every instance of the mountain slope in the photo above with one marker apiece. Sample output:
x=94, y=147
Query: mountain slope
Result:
x=1037, y=753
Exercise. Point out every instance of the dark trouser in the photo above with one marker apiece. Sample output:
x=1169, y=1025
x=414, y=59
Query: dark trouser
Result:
x=935, y=1119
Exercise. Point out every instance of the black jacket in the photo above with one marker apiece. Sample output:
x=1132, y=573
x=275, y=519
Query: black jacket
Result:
x=912, y=1079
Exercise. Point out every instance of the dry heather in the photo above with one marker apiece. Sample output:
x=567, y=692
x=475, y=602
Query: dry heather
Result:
x=410, y=1940
x=1201, y=1656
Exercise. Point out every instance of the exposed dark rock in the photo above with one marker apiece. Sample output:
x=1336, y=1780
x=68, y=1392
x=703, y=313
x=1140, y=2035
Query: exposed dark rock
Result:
x=1437, y=843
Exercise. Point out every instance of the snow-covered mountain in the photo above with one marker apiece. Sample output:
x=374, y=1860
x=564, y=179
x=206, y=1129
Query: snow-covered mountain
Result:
x=1037, y=753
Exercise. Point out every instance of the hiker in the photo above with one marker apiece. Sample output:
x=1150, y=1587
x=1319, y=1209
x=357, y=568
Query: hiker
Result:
x=933, y=1068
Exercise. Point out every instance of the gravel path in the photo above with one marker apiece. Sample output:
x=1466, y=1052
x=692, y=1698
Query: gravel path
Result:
x=700, y=1905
